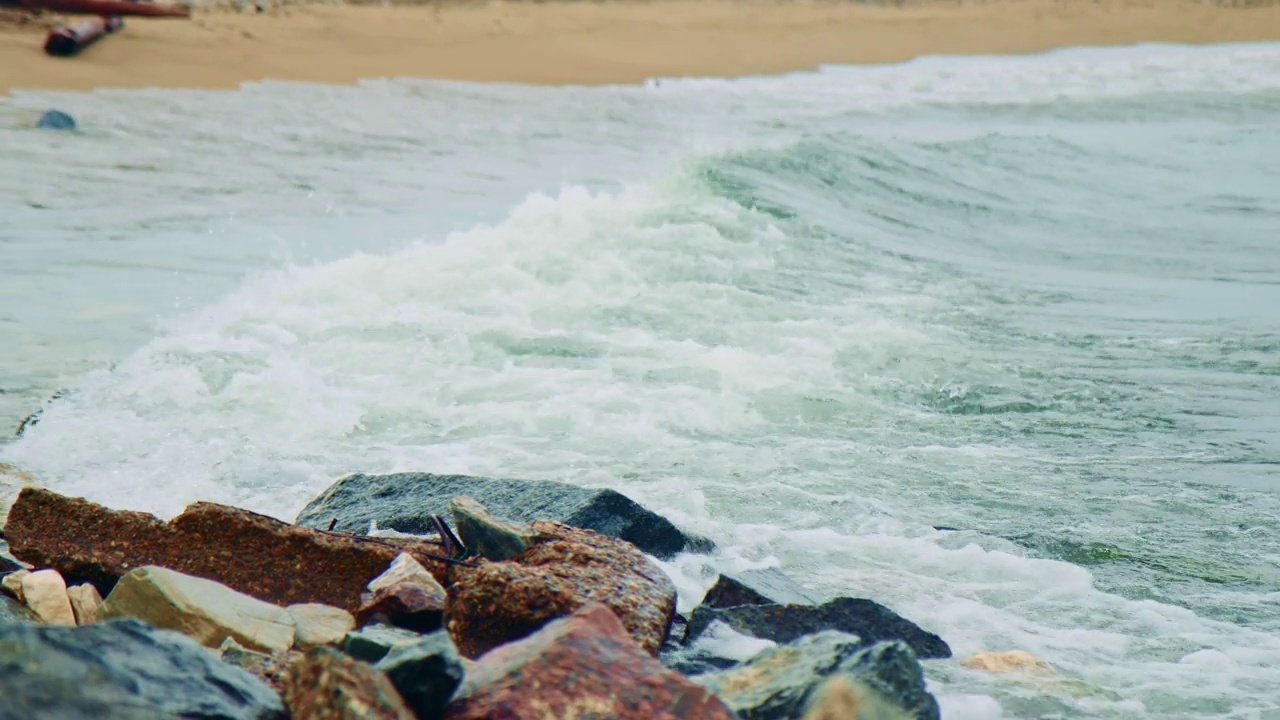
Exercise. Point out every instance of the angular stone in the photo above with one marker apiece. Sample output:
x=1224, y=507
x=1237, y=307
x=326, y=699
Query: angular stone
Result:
x=372, y=643
x=783, y=623
x=269, y=669
x=407, y=501
x=327, y=685
x=582, y=666
x=12, y=480
x=404, y=568
x=201, y=609
x=486, y=536
x=86, y=603
x=12, y=584
x=840, y=700
x=9, y=563
x=123, y=670
x=756, y=587
x=781, y=682
x=405, y=604
x=426, y=673
x=248, y=552
x=565, y=569
x=317, y=624
x=12, y=610
x=1007, y=662
x=45, y=592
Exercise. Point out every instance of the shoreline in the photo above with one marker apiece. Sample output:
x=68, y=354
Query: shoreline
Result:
x=594, y=43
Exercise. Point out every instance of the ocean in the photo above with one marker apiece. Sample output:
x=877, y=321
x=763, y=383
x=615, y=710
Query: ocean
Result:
x=993, y=341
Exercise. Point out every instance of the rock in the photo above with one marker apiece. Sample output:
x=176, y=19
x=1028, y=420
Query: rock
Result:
x=201, y=609
x=9, y=563
x=251, y=553
x=563, y=570
x=12, y=610
x=426, y=673
x=407, y=501
x=12, y=480
x=404, y=604
x=783, y=623
x=838, y=700
x=1007, y=662
x=122, y=670
x=404, y=568
x=327, y=685
x=86, y=603
x=317, y=624
x=56, y=120
x=45, y=592
x=485, y=535
x=582, y=666
x=269, y=669
x=372, y=643
x=756, y=587
x=12, y=584
x=780, y=683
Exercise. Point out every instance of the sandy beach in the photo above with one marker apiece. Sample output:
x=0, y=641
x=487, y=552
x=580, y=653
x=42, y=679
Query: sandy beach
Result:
x=596, y=43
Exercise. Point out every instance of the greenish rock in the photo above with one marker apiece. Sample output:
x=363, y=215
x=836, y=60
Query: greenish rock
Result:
x=122, y=670
x=407, y=502
x=372, y=642
x=426, y=673
x=12, y=611
x=782, y=682
x=485, y=535
x=206, y=611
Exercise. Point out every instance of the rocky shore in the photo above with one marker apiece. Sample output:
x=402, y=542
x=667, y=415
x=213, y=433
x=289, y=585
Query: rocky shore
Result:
x=509, y=601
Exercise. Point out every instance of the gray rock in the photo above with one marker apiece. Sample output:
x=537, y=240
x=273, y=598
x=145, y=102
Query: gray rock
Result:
x=782, y=682
x=122, y=670
x=769, y=586
x=372, y=642
x=12, y=611
x=485, y=535
x=407, y=501
x=784, y=623
x=426, y=673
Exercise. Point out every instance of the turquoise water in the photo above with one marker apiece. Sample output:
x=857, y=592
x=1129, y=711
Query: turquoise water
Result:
x=816, y=317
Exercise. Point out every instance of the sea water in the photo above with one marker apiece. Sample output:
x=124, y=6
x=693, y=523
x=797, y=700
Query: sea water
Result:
x=993, y=341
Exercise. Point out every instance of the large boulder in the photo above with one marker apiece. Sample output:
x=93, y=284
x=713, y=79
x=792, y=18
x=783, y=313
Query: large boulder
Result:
x=327, y=685
x=585, y=665
x=200, y=609
x=251, y=553
x=782, y=682
x=768, y=586
x=564, y=569
x=783, y=623
x=122, y=670
x=407, y=501
x=426, y=673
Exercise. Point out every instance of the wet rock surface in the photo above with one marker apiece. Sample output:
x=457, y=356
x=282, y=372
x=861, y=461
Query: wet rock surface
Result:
x=563, y=570
x=783, y=682
x=784, y=623
x=122, y=670
x=585, y=665
x=325, y=684
x=426, y=673
x=756, y=587
x=251, y=553
x=269, y=668
x=372, y=643
x=407, y=502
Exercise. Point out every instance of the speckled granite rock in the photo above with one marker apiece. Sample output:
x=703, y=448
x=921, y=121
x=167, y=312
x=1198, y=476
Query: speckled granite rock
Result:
x=328, y=685
x=407, y=501
x=426, y=673
x=581, y=666
x=563, y=570
x=248, y=552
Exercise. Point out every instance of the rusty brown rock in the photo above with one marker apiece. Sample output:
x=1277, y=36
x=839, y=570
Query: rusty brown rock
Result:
x=327, y=685
x=251, y=553
x=582, y=666
x=405, y=604
x=565, y=568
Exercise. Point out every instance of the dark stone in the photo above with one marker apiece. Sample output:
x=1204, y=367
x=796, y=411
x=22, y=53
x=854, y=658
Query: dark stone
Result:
x=9, y=563
x=582, y=666
x=405, y=604
x=784, y=623
x=326, y=685
x=426, y=673
x=372, y=643
x=125, y=670
x=485, y=535
x=269, y=669
x=688, y=661
x=781, y=682
x=407, y=501
x=56, y=120
x=12, y=611
x=250, y=553
x=756, y=587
